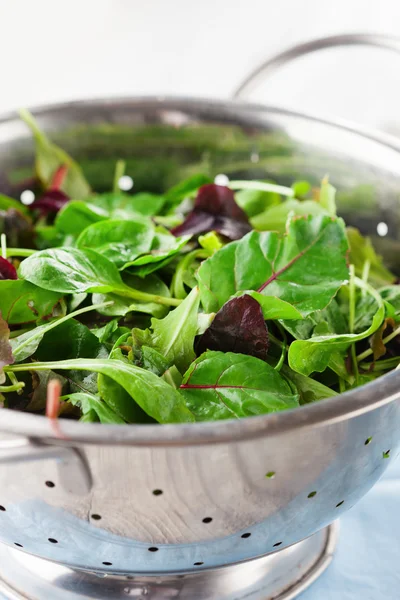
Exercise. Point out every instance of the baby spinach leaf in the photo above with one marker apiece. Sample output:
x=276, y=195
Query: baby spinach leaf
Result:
x=308, y=356
x=254, y=202
x=76, y=216
x=228, y=386
x=6, y=203
x=173, y=336
x=119, y=241
x=6, y=356
x=146, y=204
x=183, y=189
x=121, y=306
x=7, y=270
x=362, y=251
x=163, y=249
x=25, y=345
x=71, y=339
x=274, y=308
x=89, y=402
x=23, y=302
x=239, y=327
x=72, y=270
x=305, y=267
x=50, y=157
x=154, y=396
x=215, y=209
x=275, y=217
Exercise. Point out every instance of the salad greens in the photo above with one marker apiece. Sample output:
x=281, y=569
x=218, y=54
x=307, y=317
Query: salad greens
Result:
x=207, y=302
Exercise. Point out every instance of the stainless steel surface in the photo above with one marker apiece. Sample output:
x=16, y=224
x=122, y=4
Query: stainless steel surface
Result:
x=73, y=471
x=271, y=65
x=281, y=576
x=218, y=507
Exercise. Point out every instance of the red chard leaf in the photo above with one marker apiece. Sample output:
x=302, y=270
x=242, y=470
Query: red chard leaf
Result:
x=7, y=270
x=6, y=356
x=238, y=327
x=215, y=209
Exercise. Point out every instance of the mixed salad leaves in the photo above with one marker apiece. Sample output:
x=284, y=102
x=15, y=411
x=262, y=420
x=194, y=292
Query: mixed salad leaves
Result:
x=207, y=302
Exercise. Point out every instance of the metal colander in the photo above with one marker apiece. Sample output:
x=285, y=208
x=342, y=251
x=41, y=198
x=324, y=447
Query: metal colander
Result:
x=156, y=500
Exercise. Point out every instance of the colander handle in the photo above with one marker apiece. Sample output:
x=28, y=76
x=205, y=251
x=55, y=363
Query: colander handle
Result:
x=270, y=66
x=73, y=469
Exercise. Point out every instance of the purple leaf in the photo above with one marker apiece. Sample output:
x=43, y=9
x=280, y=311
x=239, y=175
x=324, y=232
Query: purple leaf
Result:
x=7, y=270
x=6, y=357
x=215, y=209
x=51, y=202
x=54, y=198
x=238, y=327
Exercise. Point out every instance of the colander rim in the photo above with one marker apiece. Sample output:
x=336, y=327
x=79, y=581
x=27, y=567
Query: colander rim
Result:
x=335, y=409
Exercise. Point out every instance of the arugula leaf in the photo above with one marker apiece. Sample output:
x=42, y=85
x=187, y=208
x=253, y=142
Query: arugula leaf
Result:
x=329, y=320
x=327, y=195
x=23, y=302
x=307, y=356
x=228, y=386
x=89, y=402
x=173, y=336
x=154, y=361
x=215, y=209
x=158, y=399
x=309, y=389
x=306, y=267
x=362, y=251
x=50, y=157
x=119, y=241
x=238, y=327
x=6, y=356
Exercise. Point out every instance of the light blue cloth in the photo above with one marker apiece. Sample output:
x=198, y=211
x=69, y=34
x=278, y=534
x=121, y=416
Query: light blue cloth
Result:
x=367, y=561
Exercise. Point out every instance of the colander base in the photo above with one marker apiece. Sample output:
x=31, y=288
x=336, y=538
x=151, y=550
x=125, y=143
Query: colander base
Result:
x=279, y=576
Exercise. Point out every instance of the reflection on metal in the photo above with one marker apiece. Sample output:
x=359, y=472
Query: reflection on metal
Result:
x=282, y=576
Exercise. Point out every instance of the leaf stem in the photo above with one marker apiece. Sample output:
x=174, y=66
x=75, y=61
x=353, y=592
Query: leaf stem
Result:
x=128, y=292
x=12, y=388
x=282, y=357
x=262, y=186
x=385, y=341
x=352, y=314
x=23, y=252
x=3, y=246
x=381, y=365
x=119, y=172
x=275, y=340
x=365, y=275
x=342, y=385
